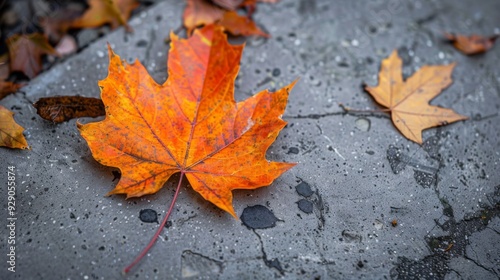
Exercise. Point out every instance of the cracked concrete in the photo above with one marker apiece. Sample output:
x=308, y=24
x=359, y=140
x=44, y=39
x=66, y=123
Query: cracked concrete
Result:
x=379, y=205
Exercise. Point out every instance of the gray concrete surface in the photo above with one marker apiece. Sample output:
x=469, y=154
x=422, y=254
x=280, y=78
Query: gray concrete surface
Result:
x=362, y=174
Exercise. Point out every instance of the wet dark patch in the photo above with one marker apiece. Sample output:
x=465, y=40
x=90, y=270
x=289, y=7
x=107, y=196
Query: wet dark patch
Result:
x=424, y=179
x=148, y=216
x=304, y=189
x=274, y=263
x=258, y=217
x=141, y=43
x=305, y=206
x=396, y=159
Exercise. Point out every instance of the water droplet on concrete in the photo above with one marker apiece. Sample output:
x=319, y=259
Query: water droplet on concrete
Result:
x=363, y=124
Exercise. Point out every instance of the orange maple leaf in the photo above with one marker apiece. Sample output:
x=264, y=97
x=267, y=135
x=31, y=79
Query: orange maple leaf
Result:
x=408, y=100
x=11, y=134
x=473, y=44
x=26, y=53
x=191, y=124
x=203, y=12
x=113, y=12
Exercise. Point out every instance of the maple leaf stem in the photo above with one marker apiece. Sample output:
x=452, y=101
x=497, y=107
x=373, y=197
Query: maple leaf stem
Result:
x=350, y=110
x=160, y=228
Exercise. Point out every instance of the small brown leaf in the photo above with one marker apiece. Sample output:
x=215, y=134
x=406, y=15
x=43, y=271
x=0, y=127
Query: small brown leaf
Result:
x=26, y=53
x=101, y=12
x=63, y=108
x=473, y=44
x=240, y=25
x=11, y=134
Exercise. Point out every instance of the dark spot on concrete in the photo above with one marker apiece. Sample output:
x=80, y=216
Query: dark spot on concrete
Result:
x=168, y=224
x=141, y=43
x=424, y=179
x=274, y=263
x=72, y=216
x=305, y=206
x=304, y=189
x=293, y=150
x=148, y=216
x=276, y=72
x=258, y=217
x=395, y=158
x=370, y=152
x=360, y=264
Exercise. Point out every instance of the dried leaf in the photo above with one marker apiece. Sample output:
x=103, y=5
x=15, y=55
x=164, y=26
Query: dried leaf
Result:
x=101, y=12
x=7, y=88
x=204, y=12
x=199, y=13
x=11, y=134
x=408, y=100
x=473, y=44
x=63, y=108
x=26, y=53
x=240, y=25
x=191, y=124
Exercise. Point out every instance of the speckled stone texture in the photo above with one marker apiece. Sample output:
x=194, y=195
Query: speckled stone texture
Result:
x=374, y=205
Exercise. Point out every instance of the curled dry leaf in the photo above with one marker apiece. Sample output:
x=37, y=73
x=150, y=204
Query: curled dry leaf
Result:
x=63, y=108
x=11, y=134
x=408, y=100
x=101, y=12
x=6, y=87
x=26, y=53
x=473, y=44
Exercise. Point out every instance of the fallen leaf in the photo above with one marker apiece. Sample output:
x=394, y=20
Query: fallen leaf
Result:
x=26, y=53
x=408, y=100
x=63, y=108
x=473, y=44
x=204, y=12
x=190, y=124
x=240, y=25
x=11, y=134
x=7, y=88
x=101, y=12
x=199, y=13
